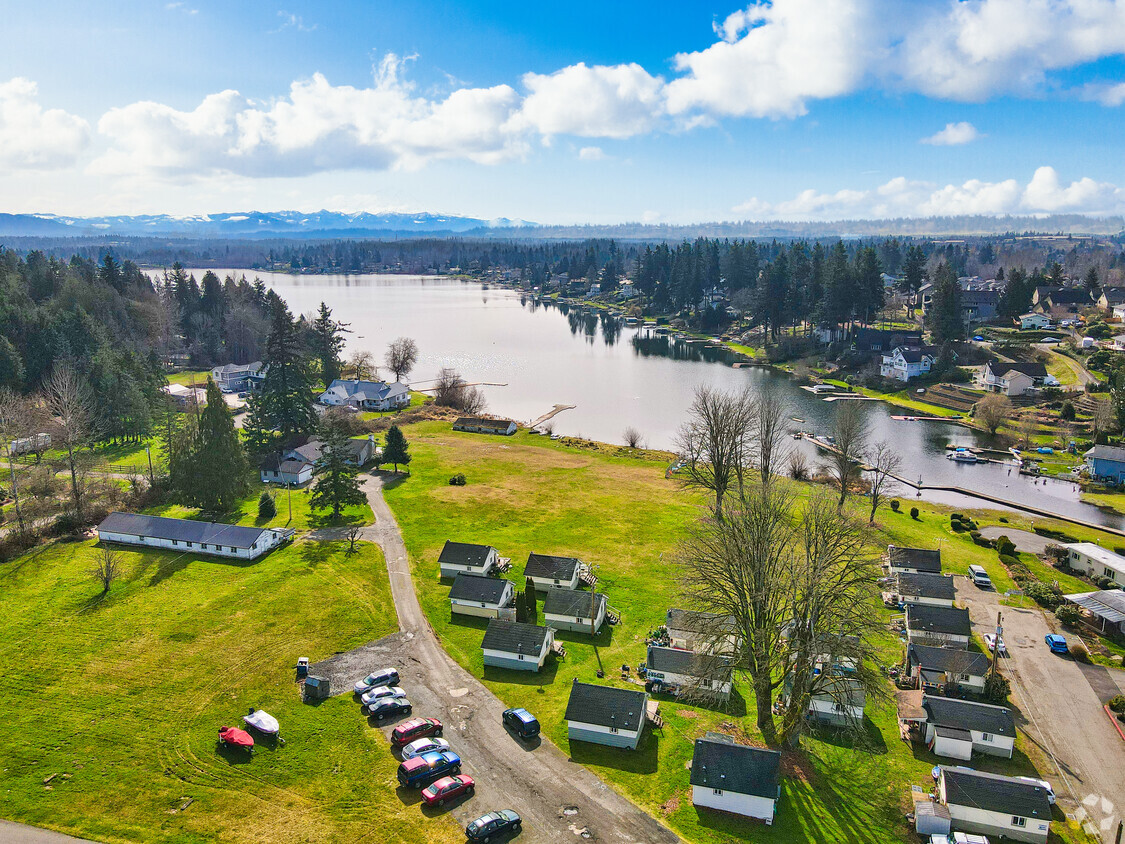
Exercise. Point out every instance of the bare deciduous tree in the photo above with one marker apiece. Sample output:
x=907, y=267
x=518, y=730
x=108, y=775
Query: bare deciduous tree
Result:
x=68, y=400
x=885, y=462
x=452, y=391
x=713, y=444
x=106, y=568
x=770, y=429
x=850, y=431
x=402, y=354
x=1104, y=421
x=1028, y=427
x=353, y=537
x=632, y=437
x=992, y=410
x=18, y=420
x=798, y=466
x=361, y=365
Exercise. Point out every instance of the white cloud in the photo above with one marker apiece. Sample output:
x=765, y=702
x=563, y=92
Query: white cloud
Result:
x=954, y=134
x=591, y=154
x=292, y=21
x=34, y=138
x=1046, y=193
x=1107, y=94
x=593, y=102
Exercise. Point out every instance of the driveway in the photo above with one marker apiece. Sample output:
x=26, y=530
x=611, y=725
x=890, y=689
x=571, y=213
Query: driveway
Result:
x=559, y=800
x=18, y=833
x=1025, y=540
x=1081, y=375
x=1061, y=704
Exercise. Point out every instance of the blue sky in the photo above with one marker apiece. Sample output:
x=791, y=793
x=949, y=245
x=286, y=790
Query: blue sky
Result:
x=588, y=112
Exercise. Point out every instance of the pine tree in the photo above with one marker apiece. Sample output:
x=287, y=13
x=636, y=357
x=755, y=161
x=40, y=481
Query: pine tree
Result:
x=521, y=608
x=914, y=273
x=1091, y=279
x=395, y=449
x=337, y=482
x=208, y=467
x=328, y=342
x=531, y=608
x=286, y=390
x=257, y=433
x=944, y=315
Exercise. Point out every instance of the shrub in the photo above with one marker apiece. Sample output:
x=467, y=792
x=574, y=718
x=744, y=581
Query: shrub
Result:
x=1011, y=562
x=1103, y=582
x=1067, y=411
x=1117, y=703
x=1079, y=653
x=1054, y=534
x=1044, y=595
x=914, y=513
x=1003, y=519
x=1068, y=614
x=996, y=687
x=958, y=526
x=267, y=507
x=1005, y=546
x=894, y=504
x=955, y=517
x=1058, y=554
x=458, y=480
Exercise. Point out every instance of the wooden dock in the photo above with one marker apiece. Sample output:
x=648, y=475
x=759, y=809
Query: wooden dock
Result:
x=553, y=412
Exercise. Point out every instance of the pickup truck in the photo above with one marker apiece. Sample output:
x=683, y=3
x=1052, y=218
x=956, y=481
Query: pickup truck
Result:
x=421, y=770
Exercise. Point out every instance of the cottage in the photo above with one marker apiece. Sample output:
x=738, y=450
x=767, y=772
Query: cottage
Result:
x=703, y=632
x=366, y=395
x=1034, y=321
x=478, y=425
x=904, y=363
x=512, y=644
x=735, y=778
x=979, y=305
x=606, y=715
x=935, y=589
x=885, y=340
x=1013, y=378
x=1094, y=561
x=1117, y=343
x=296, y=466
x=211, y=538
x=1105, y=609
x=36, y=444
x=688, y=673
x=1064, y=301
x=277, y=470
x=958, y=728
x=995, y=805
x=940, y=626
x=466, y=558
x=1106, y=463
x=570, y=609
x=485, y=597
x=837, y=700
x=1111, y=299
x=913, y=560
x=1119, y=311
x=546, y=571
x=238, y=377
x=184, y=398
x=942, y=670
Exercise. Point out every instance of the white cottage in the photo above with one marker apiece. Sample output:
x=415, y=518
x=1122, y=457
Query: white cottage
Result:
x=703, y=632
x=366, y=395
x=688, y=673
x=939, y=626
x=933, y=589
x=735, y=778
x=465, y=558
x=958, y=728
x=905, y=363
x=546, y=571
x=1095, y=561
x=606, y=715
x=485, y=597
x=515, y=645
x=575, y=610
x=189, y=535
x=913, y=560
x=937, y=670
x=996, y=805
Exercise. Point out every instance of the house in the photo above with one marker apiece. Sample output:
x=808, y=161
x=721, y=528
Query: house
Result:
x=606, y=715
x=1112, y=298
x=979, y=305
x=688, y=673
x=479, y=425
x=702, y=632
x=959, y=728
x=1106, y=608
x=992, y=804
x=904, y=363
x=185, y=398
x=297, y=465
x=939, y=626
x=36, y=444
x=515, y=645
x=570, y=609
x=935, y=589
x=735, y=778
x=1094, y=561
x=1013, y=378
x=211, y=538
x=474, y=594
x=913, y=560
x=1117, y=342
x=1106, y=463
x=238, y=377
x=884, y=340
x=1034, y=321
x=366, y=395
x=1064, y=301
x=546, y=571
x=277, y=470
x=1039, y=296
x=1119, y=311
x=940, y=670
x=465, y=558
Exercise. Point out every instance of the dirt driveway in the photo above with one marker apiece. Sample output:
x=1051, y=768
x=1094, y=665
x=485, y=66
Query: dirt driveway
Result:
x=559, y=800
x=1061, y=704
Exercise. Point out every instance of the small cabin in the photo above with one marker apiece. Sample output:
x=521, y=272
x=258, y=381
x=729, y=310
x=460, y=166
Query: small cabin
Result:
x=959, y=728
x=477, y=595
x=933, y=589
x=735, y=778
x=574, y=610
x=992, y=804
x=465, y=558
x=703, y=632
x=913, y=560
x=937, y=626
x=940, y=670
x=515, y=645
x=546, y=570
x=480, y=425
x=606, y=715
x=688, y=673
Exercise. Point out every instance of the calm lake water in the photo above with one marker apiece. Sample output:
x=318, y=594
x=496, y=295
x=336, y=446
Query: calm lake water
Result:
x=617, y=376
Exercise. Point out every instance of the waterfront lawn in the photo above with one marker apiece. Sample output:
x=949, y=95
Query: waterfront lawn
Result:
x=616, y=510
x=417, y=399
x=112, y=705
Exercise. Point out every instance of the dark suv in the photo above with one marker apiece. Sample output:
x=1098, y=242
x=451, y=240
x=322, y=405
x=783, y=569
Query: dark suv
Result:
x=521, y=722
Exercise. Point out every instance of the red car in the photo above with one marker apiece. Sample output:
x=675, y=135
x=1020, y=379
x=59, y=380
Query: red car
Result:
x=415, y=728
x=447, y=788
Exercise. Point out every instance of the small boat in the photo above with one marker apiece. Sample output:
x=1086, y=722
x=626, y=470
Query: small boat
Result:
x=962, y=455
x=262, y=721
x=234, y=737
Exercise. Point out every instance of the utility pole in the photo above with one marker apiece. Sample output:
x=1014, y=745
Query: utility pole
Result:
x=151, y=474
x=289, y=492
x=996, y=649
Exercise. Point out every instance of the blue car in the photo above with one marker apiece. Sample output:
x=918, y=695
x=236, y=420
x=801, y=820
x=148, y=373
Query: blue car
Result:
x=979, y=338
x=1056, y=643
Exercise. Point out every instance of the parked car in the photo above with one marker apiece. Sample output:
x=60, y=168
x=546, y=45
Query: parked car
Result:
x=424, y=745
x=416, y=772
x=380, y=692
x=447, y=788
x=1057, y=643
x=415, y=729
x=521, y=722
x=994, y=644
x=978, y=338
x=382, y=677
x=389, y=707
x=492, y=824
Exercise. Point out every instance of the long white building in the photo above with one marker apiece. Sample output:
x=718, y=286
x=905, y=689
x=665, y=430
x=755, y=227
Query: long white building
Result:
x=213, y=538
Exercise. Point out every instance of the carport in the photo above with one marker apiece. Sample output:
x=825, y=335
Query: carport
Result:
x=1107, y=606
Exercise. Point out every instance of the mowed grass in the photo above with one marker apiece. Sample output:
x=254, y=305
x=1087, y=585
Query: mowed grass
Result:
x=118, y=699
x=618, y=512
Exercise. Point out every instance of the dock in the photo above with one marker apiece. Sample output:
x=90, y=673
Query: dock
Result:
x=552, y=413
x=955, y=420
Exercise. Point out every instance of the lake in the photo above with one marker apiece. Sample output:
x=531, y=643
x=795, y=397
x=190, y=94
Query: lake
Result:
x=618, y=376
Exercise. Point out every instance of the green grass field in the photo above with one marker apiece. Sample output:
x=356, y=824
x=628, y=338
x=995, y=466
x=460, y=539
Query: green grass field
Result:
x=619, y=512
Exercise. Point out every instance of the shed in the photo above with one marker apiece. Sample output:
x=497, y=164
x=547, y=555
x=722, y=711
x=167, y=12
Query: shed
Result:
x=467, y=558
x=515, y=645
x=931, y=818
x=919, y=560
x=478, y=595
x=317, y=688
x=1107, y=607
x=546, y=570
x=570, y=609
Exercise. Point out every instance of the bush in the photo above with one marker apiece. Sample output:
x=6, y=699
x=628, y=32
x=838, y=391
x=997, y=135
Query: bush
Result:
x=1011, y=562
x=1067, y=411
x=955, y=517
x=914, y=513
x=1103, y=582
x=958, y=526
x=1005, y=546
x=1058, y=555
x=458, y=480
x=267, y=507
x=1079, y=653
x=1068, y=614
x=1044, y=595
x=1054, y=534
x=894, y=504
x=1117, y=703
x=1003, y=519
x=996, y=687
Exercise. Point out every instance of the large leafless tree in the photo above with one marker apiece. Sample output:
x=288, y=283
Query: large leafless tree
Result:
x=361, y=365
x=19, y=419
x=402, y=354
x=70, y=403
x=769, y=435
x=992, y=411
x=714, y=444
x=850, y=430
x=106, y=568
x=886, y=463
x=451, y=390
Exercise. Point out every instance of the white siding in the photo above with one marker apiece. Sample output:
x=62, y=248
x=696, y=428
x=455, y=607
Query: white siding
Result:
x=596, y=730
x=989, y=743
x=952, y=748
x=543, y=583
x=972, y=819
x=529, y=659
x=573, y=622
x=933, y=602
x=923, y=637
x=728, y=801
x=268, y=540
x=673, y=679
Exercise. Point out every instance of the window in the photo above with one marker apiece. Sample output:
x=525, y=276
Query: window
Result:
x=203, y=545
x=577, y=620
x=483, y=604
x=519, y=656
x=986, y=736
x=717, y=790
x=965, y=677
x=614, y=730
x=1108, y=572
x=233, y=550
x=141, y=538
x=1018, y=821
x=189, y=545
x=175, y=542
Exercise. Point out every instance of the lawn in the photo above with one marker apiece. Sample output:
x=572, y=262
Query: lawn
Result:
x=618, y=512
x=417, y=399
x=190, y=376
x=112, y=704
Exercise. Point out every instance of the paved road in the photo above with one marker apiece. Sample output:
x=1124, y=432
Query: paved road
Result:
x=1061, y=706
x=559, y=800
x=1083, y=377
x=1025, y=540
x=17, y=833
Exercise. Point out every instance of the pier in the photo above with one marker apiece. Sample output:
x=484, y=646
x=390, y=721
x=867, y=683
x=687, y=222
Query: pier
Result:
x=551, y=414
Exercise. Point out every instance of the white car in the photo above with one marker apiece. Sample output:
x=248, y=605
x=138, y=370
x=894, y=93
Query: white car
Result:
x=424, y=745
x=994, y=645
x=381, y=692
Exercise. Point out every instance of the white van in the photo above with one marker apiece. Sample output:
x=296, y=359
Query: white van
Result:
x=980, y=577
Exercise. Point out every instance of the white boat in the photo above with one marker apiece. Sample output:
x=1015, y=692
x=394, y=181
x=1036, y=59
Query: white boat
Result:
x=962, y=455
x=262, y=721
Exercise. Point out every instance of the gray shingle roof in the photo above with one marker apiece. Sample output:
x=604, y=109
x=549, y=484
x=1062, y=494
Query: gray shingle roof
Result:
x=688, y=663
x=922, y=559
x=464, y=554
x=928, y=619
x=570, y=602
x=995, y=793
x=720, y=763
x=475, y=587
x=966, y=715
x=1031, y=370
x=699, y=622
x=547, y=566
x=937, y=586
x=182, y=530
x=606, y=706
x=1107, y=452
x=514, y=637
x=953, y=660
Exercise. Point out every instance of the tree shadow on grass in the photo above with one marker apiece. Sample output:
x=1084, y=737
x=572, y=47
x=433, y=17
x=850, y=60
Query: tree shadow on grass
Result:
x=472, y=622
x=390, y=479
x=314, y=554
x=168, y=567
x=545, y=676
x=867, y=737
x=603, y=640
x=643, y=760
